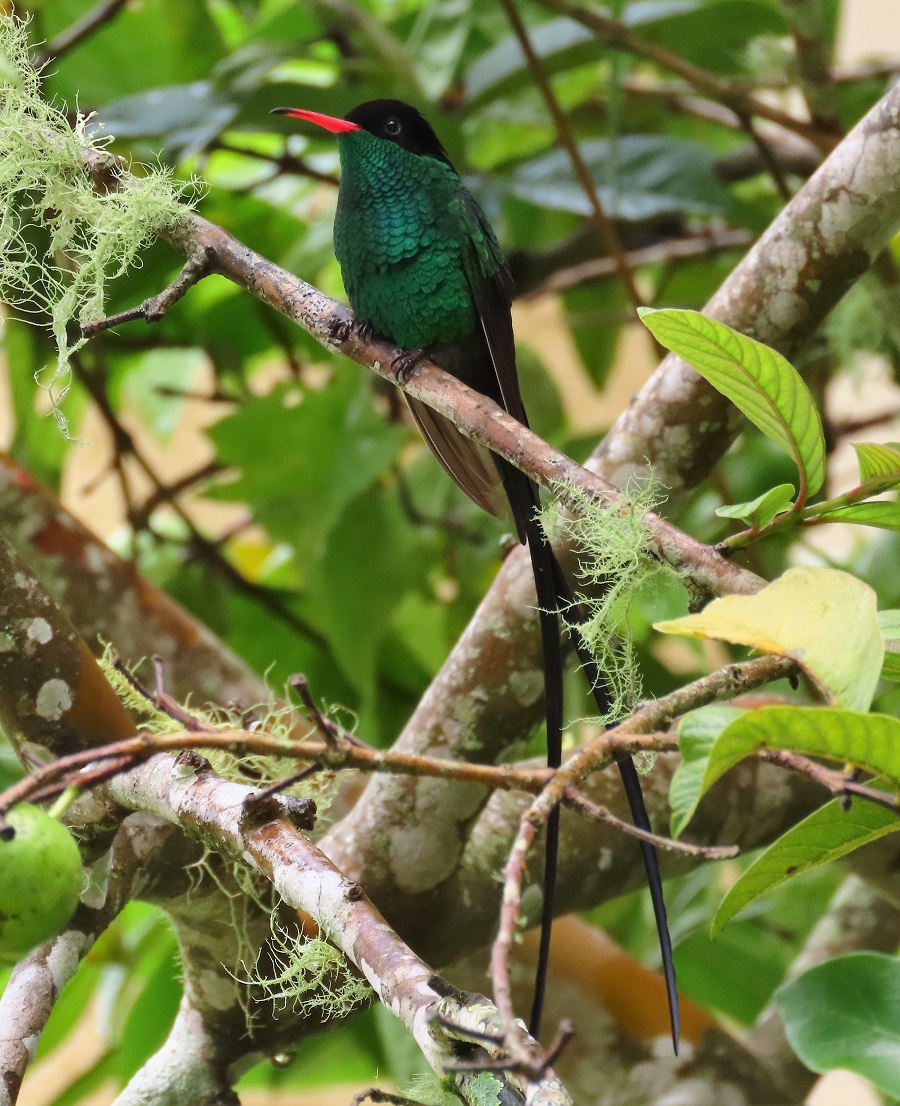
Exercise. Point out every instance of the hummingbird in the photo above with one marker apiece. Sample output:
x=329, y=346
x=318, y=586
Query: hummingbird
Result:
x=423, y=268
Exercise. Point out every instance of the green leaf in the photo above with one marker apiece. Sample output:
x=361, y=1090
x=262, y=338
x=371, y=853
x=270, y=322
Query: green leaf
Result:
x=890, y=627
x=697, y=733
x=437, y=41
x=823, y=618
x=827, y=834
x=323, y=449
x=869, y=741
x=147, y=45
x=360, y=581
x=759, y=512
x=638, y=176
x=149, y=376
x=845, y=1013
x=884, y=515
x=879, y=466
x=187, y=117
x=761, y=383
x=713, y=35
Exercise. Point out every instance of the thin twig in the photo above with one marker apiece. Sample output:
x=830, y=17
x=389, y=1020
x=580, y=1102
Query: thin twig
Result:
x=767, y=157
x=285, y=162
x=806, y=20
x=65, y=771
x=575, y=799
x=198, y=265
x=840, y=785
x=139, y=517
x=689, y=247
x=334, y=736
x=78, y=31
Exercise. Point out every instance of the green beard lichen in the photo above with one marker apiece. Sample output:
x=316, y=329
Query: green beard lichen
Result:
x=61, y=242
x=613, y=566
x=308, y=975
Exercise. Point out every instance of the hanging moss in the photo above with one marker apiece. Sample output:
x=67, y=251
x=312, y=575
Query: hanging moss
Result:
x=613, y=566
x=87, y=238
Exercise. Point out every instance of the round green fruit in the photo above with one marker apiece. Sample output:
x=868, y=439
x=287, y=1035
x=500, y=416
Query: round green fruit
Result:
x=40, y=880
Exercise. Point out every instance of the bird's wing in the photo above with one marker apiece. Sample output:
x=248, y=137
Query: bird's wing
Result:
x=491, y=286
x=470, y=465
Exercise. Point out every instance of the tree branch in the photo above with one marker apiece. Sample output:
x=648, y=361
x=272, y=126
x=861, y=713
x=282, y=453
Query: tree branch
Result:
x=66, y=40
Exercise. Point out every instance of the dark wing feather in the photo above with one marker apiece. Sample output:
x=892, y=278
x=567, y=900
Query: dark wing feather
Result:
x=491, y=286
x=467, y=463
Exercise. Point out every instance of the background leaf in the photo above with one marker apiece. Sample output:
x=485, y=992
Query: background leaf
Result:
x=638, y=176
x=845, y=1013
x=697, y=733
x=761, y=383
x=890, y=627
x=827, y=834
x=879, y=466
x=886, y=516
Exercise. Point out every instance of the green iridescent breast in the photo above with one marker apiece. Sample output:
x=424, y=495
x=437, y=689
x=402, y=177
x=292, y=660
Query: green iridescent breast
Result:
x=399, y=236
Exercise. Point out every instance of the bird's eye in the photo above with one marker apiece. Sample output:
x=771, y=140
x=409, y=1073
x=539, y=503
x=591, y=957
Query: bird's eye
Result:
x=392, y=126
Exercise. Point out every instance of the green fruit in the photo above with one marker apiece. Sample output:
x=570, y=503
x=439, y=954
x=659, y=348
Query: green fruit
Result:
x=40, y=880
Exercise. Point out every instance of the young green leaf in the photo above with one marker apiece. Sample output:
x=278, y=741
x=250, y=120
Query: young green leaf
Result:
x=758, y=380
x=884, y=515
x=825, y=619
x=879, y=466
x=759, y=512
x=697, y=733
x=845, y=1013
x=827, y=834
x=890, y=627
x=869, y=741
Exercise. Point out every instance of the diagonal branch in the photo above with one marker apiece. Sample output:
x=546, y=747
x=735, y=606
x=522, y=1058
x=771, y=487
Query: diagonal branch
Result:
x=91, y=21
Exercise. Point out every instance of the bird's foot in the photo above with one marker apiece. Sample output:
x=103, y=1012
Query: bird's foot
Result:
x=341, y=329
x=404, y=363
x=364, y=331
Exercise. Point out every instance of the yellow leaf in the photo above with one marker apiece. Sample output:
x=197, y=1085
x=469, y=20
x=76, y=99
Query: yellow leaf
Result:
x=824, y=619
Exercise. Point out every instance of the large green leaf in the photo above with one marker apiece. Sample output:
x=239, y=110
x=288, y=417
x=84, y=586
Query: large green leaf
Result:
x=359, y=582
x=869, y=741
x=825, y=619
x=761, y=383
x=827, y=834
x=845, y=1013
x=147, y=45
x=638, y=176
x=187, y=117
x=697, y=733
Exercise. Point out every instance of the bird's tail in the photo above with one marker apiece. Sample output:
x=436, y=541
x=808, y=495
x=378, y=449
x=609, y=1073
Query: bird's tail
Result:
x=555, y=596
